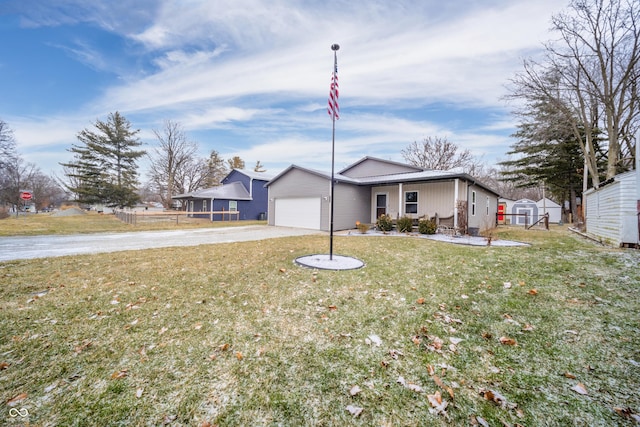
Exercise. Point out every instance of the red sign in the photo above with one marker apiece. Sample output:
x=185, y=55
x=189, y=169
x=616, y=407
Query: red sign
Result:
x=25, y=195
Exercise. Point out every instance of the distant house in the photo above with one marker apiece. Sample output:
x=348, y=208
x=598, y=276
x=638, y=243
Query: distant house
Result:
x=300, y=197
x=612, y=211
x=242, y=196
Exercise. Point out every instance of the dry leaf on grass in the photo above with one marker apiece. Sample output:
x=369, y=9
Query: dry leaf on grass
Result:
x=119, y=374
x=16, y=399
x=438, y=405
x=580, y=389
x=354, y=410
x=408, y=385
x=354, y=390
x=507, y=341
x=4, y=365
x=569, y=375
x=497, y=398
x=239, y=355
x=139, y=392
x=420, y=301
x=533, y=292
x=476, y=420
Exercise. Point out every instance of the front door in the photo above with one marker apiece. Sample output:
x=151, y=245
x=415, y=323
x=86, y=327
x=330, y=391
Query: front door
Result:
x=381, y=205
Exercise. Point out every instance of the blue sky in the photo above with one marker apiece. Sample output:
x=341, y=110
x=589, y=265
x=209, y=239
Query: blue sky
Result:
x=250, y=78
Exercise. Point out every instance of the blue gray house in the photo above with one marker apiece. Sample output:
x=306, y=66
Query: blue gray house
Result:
x=241, y=196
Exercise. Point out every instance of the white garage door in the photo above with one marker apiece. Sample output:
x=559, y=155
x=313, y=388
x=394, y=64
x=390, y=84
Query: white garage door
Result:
x=302, y=212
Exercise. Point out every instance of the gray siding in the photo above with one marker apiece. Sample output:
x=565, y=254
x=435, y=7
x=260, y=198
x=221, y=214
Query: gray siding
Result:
x=484, y=218
x=373, y=167
x=351, y=202
x=299, y=183
x=351, y=205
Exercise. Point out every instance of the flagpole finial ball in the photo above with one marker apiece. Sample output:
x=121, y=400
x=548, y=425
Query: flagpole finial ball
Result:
x=335, y=46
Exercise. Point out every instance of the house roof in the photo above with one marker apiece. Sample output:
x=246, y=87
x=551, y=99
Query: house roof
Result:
x=232, y=191
x=420, y=175
x=264, y=176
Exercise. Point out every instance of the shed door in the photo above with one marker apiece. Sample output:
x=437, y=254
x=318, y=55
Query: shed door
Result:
x=301, y=212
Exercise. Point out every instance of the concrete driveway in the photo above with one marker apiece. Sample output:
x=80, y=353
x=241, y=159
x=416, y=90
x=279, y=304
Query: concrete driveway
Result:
x=30, y=247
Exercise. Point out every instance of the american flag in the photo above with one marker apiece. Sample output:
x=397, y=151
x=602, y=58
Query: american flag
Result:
x=334, y=109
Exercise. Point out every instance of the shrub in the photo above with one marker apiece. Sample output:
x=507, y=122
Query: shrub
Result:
x=427, y=226
x=384, y=223
x=362, y=228
x=405, y=224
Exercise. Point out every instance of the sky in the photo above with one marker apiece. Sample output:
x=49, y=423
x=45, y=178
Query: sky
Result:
x=250, y=78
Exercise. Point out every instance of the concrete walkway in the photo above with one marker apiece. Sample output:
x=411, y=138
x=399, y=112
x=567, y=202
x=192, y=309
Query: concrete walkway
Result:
x=30, y=247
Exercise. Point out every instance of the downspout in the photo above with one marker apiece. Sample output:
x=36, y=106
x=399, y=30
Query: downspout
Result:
x=456, y=189
x=400, y=200
x=251, y=188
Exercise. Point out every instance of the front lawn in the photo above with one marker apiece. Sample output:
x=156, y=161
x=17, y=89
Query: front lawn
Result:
x=427, y=333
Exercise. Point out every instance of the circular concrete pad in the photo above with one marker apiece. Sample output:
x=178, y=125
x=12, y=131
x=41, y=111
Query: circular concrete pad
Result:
x=323, y=262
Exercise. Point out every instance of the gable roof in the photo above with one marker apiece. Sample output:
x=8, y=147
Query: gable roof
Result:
x=367, y=165
x=262, y=176
x=417, y=175
x=232, y=191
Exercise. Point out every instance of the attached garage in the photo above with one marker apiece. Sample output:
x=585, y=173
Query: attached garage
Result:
x=301, y=212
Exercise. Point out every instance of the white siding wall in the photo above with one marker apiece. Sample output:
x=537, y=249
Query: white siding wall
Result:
x=611, y=211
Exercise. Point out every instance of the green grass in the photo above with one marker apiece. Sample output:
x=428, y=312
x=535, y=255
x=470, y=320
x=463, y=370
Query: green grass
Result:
x=237, y=334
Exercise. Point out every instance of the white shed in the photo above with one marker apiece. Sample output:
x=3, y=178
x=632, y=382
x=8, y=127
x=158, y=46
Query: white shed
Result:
x=554, y=210
x=612, y=211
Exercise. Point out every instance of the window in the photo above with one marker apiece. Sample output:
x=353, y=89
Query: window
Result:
x=487, y=205
x=411, y=202
x=473, y=203
x=204, y=206
x=233, y=205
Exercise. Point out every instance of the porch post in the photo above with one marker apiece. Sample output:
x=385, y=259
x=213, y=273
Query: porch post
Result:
x=455, y=202
x=211, y=214
x=400, y=213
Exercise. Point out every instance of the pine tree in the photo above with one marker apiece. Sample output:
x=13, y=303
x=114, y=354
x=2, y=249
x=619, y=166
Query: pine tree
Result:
x=104, y=168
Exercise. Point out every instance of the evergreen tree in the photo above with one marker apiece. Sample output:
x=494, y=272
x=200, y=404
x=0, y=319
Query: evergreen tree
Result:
x=104, y=168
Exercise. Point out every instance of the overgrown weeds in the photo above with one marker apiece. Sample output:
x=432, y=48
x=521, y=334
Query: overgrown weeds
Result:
x=427, y=333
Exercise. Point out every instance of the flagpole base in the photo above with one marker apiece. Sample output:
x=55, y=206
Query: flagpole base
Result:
x=326, y=262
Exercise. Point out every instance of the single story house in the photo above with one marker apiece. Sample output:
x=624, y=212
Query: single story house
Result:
x=300, y=197
x=241, y=196
x=613, y=210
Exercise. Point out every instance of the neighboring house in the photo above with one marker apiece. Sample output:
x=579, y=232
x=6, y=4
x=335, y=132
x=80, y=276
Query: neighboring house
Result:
x=613, y=210
x=300, y=197
x=241, y=191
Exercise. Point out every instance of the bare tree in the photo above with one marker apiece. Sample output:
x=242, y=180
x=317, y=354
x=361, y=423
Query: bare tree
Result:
x=440, y=154
x=591, y=76
x=7, y=145
x=169, y=159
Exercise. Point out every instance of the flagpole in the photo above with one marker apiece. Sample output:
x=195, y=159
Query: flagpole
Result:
x=334, y=48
